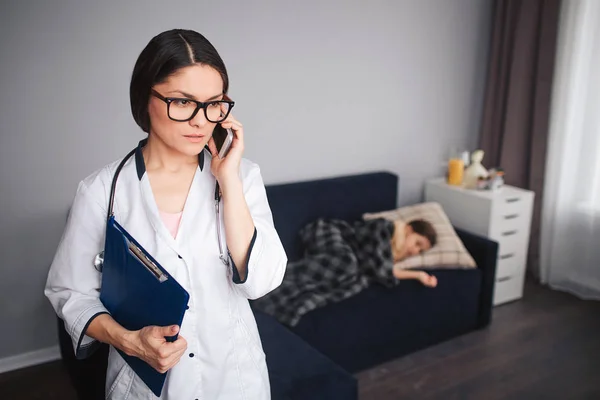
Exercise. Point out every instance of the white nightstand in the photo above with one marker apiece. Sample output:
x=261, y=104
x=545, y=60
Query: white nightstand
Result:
x=503, y=216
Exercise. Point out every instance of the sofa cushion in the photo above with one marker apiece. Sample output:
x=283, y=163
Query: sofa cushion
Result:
x=380, y=324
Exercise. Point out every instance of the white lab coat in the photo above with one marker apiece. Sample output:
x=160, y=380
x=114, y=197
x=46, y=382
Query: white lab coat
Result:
x=224, y=358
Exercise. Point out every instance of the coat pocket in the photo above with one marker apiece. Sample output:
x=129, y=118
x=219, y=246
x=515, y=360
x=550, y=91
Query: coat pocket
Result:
x=248, y=341
x=252, y=363
x=121, y=386
x=118, y=377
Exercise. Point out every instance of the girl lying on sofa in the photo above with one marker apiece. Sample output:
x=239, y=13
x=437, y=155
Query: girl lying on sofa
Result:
x=410, y=239
x=342, y=258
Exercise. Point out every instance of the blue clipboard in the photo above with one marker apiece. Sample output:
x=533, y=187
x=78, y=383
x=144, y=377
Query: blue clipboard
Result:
x=137, y=291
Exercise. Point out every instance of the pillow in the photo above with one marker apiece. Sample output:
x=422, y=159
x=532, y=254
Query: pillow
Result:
x=448, y=252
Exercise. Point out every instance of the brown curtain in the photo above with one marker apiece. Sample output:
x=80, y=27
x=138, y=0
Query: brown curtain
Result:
x=516, y=113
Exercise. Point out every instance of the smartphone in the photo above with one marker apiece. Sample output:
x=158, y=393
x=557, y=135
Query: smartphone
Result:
x=223, y=139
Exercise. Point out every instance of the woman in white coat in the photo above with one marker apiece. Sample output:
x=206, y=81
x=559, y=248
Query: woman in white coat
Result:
x=165, y=199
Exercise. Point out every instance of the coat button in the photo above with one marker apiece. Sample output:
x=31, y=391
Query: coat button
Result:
x=191, y=355
x=179, y=256
x=187, y=307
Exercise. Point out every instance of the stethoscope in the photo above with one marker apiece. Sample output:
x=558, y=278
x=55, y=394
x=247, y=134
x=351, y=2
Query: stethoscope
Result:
x=99, y=259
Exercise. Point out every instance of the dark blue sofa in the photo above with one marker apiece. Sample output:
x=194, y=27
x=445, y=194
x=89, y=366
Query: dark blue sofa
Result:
x=380, y=324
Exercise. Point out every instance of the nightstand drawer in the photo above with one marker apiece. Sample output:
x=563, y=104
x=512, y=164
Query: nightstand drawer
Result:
x=512, y=248
x=508, y=264
x=509, y=230
x=507, y=289
x=511, y=204
x=511, y=241
x=506, y=224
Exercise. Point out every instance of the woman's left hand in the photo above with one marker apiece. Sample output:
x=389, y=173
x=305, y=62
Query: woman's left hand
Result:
x=226, y=169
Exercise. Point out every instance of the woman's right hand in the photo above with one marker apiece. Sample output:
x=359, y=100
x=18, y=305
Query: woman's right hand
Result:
x=150, y=345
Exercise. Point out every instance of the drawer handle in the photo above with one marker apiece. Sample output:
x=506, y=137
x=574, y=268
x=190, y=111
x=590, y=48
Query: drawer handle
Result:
x=513, y=199
x=509, y=233
x=511, y=216
x=506, y=278
x=507, y=256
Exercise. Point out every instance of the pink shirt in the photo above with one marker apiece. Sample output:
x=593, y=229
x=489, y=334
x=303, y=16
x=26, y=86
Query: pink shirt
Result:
x=171, y=221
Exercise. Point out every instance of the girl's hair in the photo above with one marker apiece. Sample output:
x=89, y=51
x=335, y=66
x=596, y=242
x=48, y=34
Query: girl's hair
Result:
x=163, y=55
x=424, y=228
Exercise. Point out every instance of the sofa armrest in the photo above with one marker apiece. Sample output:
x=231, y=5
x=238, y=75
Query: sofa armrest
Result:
x=485, y=253
x=297, y=370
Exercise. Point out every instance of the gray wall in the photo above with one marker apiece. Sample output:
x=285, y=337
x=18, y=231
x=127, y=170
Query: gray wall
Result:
x=323, y=88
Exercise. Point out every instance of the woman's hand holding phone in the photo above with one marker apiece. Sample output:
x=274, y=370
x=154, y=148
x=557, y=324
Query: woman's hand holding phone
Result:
x=237, y=220
x=226, y=169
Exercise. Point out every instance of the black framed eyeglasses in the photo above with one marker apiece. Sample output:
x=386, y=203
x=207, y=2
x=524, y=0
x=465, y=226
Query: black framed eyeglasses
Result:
x=181, y=109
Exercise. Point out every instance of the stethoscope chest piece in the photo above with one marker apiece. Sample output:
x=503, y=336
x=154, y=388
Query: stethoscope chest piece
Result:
x=99, y=261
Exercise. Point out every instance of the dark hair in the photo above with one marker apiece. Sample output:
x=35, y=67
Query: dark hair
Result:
x=424, y=228
x=163, y=55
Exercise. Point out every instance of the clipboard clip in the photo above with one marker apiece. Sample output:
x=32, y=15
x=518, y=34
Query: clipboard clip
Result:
x=146, y=262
